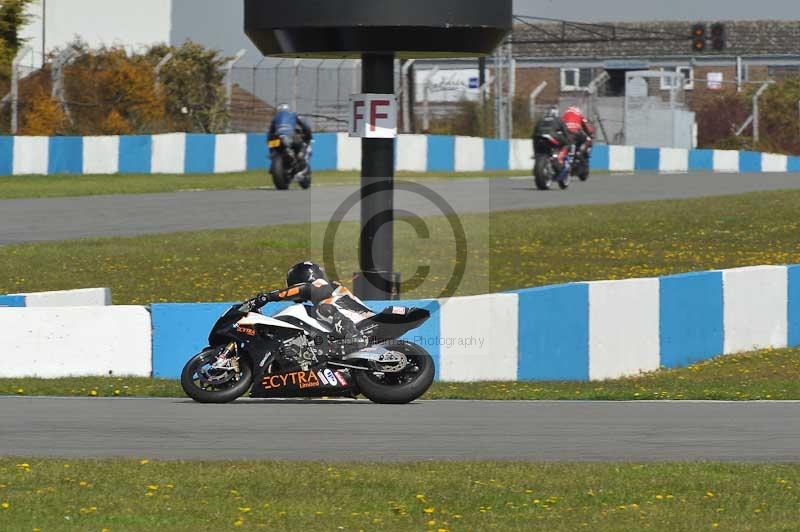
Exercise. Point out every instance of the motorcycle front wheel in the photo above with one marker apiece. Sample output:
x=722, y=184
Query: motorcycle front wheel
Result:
x=583, y=171
x=403, y=387
x=206, y=384
x=305, y=183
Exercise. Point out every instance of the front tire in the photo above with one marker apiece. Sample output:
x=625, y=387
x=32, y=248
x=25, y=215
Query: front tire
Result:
x=583, y=173
x=227, y=392
x=404, y=387
x=305, y=183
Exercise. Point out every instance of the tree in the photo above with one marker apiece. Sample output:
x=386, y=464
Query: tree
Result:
x=12, y=18
x=192, y=85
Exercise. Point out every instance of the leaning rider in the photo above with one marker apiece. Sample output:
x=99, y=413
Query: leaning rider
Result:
x=289, y=124
x=334, y=303
x=580, y=129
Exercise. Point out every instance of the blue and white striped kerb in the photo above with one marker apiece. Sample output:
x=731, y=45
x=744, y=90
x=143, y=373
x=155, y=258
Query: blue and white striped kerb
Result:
x=180, y=153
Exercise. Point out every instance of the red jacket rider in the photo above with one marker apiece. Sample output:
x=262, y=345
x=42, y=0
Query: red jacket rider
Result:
x=576, y=122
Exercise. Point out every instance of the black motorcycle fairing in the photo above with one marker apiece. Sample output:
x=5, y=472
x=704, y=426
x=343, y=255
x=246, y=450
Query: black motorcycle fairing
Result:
x=291, y=149
x=224, y=328
x=316, y=382
x=393, y=322
x=544, y=146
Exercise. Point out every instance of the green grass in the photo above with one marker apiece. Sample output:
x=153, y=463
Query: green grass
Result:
x=54, y=186
x=142, y=495
x=506, y=250
x=770, y=374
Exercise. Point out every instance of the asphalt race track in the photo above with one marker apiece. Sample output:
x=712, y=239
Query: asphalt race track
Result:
x=427, y=430
x=99, y=216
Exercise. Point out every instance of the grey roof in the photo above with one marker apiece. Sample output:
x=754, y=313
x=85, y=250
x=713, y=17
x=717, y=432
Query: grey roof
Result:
x=752, y=38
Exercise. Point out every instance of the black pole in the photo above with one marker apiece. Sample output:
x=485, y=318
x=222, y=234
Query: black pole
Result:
x=375, y=282
x=481, y=72
x=411, y=83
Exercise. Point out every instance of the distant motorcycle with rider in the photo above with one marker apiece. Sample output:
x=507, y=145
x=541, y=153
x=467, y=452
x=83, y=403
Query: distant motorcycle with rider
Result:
x=562, y=147
x=289, y=142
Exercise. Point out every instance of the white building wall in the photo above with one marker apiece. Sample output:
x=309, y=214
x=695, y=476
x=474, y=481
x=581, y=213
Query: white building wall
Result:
x=98, y=22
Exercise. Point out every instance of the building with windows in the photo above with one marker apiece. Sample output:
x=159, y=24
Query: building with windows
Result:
x=753, y=51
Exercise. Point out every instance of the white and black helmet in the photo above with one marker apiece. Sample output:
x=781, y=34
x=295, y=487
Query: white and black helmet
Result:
x=305, y=272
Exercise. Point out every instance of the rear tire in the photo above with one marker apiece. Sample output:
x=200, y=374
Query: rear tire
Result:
x=400, y=394
x=278, y=171
x=226, y=395
x=543, y=173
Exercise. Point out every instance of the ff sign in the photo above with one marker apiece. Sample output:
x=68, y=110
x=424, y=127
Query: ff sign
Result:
x=373, y=116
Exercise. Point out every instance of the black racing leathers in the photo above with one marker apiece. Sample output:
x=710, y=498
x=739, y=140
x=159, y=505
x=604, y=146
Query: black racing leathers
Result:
x=553, y=126
x=328, y=299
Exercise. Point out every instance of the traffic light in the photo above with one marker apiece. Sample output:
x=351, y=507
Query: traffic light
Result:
x=699, y=37
x=718, y=37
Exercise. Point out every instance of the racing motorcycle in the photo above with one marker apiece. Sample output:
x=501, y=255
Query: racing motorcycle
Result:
x=287, y=163
x=293, y=354
x=549, y=167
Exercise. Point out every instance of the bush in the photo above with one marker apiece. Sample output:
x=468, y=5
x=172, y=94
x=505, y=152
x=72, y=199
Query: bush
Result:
x=192, y=85
x=780, y=128
x=719, y=115
x=110, y=93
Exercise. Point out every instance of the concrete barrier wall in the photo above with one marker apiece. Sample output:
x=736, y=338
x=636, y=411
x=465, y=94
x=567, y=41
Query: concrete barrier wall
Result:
x=178, y=153
x=580, y=331
x=756, y=308
x=623, y=328
x=84, y=297
x=75, y=341
x=479, y=338
x=181, y=330
x=609, y=329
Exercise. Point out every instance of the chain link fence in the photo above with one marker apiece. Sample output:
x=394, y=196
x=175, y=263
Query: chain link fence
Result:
x=319, y=90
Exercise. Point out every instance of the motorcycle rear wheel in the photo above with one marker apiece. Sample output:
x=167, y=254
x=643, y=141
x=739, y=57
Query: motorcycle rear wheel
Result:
x=191, y=384
x=543, y=173
x=399, y=388
x=279, y=173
